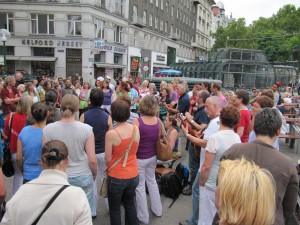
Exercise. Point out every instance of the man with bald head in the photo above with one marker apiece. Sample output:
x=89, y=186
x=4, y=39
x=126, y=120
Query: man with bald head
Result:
x=213, y=107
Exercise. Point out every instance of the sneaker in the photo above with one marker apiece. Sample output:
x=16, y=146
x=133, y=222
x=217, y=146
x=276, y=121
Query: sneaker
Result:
x=184, y=222
x=187, y=190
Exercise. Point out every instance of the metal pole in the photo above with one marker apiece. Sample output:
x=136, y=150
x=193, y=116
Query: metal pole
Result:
x=4, y=57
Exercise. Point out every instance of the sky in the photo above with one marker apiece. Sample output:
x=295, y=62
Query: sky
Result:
x=253, y=9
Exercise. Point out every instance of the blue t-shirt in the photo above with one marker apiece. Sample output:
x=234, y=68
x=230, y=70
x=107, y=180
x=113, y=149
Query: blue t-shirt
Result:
x=183, y=103
x=31, y=139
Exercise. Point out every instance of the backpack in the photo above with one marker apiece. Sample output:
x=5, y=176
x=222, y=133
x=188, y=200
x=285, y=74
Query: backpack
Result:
x=171, y=185
x=183, y=172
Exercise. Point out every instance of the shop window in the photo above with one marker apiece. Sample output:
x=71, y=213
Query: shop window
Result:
x=100, y=57
x=6, y=21
x=99, y=27
x=118, y=34
x=10, y=50
x=43, y=52
x=118, y=59
x=74, y=25
x=42, y=24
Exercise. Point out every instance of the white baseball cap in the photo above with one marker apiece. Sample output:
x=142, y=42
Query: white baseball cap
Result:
x=100, y=78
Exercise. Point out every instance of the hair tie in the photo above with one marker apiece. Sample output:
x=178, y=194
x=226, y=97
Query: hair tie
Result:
x=55, y=157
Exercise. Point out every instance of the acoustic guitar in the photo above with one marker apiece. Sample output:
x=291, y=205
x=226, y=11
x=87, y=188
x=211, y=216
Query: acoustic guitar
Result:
x=183, y=121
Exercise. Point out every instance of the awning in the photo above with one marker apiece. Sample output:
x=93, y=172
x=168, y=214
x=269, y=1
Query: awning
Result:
x=105, y=65
x=31, y=58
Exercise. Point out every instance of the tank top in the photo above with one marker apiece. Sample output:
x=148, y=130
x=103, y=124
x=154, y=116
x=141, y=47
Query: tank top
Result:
x=148, y=139
x=97, y=118
x=131, y=169
x=107, y=97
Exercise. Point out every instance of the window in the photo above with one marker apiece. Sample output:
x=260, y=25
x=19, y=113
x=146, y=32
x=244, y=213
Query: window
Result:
x=161, y=25
x=162, y=4
x=172, y=10
x=156, y=22
x=171, y=29
x=151, y=1
x=156, y=3
x=6, y=21
x=43, y=52
x=99, y=28
x=177, y=13
x=167, y=6
x=150, y=19
x=119, y=7
x=42, y=24
x=118, y=34
x=74, y=25
x=135, y=13
x=145, y=17
x=166, y=27
x=99, y=57
x=117, y=58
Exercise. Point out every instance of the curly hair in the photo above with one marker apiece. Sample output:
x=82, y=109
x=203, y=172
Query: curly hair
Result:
x=230, y=116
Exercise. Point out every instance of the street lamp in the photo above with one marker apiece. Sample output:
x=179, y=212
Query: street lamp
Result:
x=4, y=37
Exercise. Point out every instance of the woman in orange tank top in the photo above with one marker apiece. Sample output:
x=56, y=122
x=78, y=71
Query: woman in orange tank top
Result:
x=123, y=175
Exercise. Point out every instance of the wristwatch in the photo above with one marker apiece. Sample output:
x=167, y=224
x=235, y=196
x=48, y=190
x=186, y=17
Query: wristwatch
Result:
x=192, y=121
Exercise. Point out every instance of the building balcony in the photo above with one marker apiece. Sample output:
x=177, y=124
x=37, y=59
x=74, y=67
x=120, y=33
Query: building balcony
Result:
x=195, y=45
x=174, y=36
x=138, y=21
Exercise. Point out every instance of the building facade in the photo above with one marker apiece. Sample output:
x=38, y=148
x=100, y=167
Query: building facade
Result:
x=219, y=19
x=102, y=37
x=202, y=42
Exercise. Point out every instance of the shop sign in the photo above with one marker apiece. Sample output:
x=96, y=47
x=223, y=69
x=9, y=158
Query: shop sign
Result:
x=70, y=59
x=99, y=43
x=112, y=48
x=51, y=43
x=160, y=58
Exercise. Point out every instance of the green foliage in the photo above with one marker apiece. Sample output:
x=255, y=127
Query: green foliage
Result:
x=278, y=36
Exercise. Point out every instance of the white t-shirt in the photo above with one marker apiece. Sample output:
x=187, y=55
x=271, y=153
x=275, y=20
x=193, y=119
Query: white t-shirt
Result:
x=212, y=128
x=218, y=143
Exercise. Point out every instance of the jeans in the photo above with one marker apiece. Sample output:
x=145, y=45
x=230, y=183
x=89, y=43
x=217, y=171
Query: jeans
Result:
x=195, y=198
x=87, y=184
x=194, y=163
x=122, y=190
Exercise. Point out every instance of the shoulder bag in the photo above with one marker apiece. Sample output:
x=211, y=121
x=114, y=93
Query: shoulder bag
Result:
x=103, y=190
x=50, y=203
x=7, y=167
x=163, y=147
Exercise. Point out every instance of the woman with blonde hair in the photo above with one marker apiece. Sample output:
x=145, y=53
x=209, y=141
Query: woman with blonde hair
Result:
x=79, y=138
x=70, y=207
x=245, y=194
x=17, y=122
x=30, y=91
x=149, y=126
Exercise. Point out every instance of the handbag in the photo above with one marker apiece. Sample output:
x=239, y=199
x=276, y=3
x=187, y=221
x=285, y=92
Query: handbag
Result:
x=163, y=147
x=7, y=167
x=103, y=189
x=50, y=203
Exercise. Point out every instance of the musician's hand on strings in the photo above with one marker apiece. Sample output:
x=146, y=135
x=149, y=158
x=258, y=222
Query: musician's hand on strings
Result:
x=188, y=116
x=185, y=129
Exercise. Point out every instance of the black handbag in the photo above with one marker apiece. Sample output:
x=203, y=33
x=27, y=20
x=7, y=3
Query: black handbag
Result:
x=7, y=167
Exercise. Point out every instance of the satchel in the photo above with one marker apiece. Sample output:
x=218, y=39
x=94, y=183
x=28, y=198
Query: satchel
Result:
x=163, y=147
x=7, y=167
x=104, y=186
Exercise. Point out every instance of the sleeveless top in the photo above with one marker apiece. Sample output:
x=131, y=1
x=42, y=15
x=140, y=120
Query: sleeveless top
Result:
x=131, y=169
x=148, y=139
x=97, y=118
x=107, y=97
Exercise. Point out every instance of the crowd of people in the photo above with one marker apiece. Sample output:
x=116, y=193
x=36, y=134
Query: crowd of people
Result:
x=63, y=134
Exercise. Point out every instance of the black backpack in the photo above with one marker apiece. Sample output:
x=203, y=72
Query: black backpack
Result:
x=171, y=185
x=183, y=172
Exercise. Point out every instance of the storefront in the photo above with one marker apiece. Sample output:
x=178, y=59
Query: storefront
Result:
x=109, y=59
x=158, y=62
